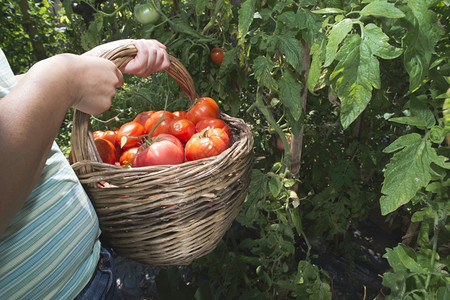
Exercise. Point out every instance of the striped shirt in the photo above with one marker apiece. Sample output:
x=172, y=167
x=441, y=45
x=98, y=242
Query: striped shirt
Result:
x=51, y=249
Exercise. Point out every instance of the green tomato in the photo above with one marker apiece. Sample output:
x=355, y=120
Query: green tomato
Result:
x=146, y=13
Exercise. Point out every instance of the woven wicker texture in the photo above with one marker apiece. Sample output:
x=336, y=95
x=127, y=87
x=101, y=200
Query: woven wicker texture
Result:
x=164, y=215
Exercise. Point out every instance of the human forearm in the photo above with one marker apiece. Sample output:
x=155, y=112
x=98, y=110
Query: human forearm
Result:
x=32, y=113
x=29, y=121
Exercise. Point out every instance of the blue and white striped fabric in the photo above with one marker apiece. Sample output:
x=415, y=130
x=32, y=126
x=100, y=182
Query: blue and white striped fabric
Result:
x=7, y=79
x=51, y=248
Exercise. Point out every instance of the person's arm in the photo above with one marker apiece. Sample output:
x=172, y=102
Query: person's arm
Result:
x=32, y=113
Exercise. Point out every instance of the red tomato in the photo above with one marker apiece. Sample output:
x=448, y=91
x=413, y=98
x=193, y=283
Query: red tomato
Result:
x=217, y=55
x=98, y=134
x=163, y=127
x=205, y=107
x=182, y=128
x=134, y=131
x=106, y=150
x=127, y=156
x=142, y=117
x=165, y=149
x=179, y=114
x=213, y=123
x=110, y=135
x=210, y=142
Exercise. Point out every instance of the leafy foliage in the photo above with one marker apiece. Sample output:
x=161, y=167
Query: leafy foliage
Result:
x=356, y=92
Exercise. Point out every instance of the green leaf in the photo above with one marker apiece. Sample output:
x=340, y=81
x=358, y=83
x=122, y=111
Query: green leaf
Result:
x=356, y=74
x=443, y=293
x=336, y=36
x=292, y=50
x=396, y=282
x=291, y=94
x=263, y=72
x=315, y=70
x=418, y=108
x=296, y=218
x=200, y=6
x=378, y=42
x=446, y=113
x=312, y=23
x=403, y=257
x=246, y=15
x=280, y=5
x=422, y=35
x=328, y=10
x=408, y=171
x=382, y=8
x=296, y=125
x=275, y=184
x=412, y=121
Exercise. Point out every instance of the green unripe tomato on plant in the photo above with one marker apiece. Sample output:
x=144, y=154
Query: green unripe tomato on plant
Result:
x=146, y=13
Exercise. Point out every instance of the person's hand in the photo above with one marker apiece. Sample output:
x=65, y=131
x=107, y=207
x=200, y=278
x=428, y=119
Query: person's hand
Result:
x=86, y=83
x=151, y=56
x=96, y=82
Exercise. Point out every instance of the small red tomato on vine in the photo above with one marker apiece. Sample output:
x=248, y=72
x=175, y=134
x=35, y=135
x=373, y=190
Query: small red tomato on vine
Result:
x=217, y=55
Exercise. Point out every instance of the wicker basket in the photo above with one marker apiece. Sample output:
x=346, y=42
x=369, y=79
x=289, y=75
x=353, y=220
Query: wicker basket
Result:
x=164, y=215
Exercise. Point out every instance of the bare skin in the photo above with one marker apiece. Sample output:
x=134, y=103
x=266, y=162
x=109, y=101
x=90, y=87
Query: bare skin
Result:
x=32, y=113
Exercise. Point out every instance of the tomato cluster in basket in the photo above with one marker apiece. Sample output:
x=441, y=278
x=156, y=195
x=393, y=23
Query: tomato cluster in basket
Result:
x=166, y=138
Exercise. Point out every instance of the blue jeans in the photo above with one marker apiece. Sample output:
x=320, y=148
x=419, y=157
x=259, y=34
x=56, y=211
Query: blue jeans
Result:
x=102, y=285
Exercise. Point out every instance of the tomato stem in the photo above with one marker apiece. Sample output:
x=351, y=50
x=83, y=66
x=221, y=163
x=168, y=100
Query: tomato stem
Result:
x=149, y=139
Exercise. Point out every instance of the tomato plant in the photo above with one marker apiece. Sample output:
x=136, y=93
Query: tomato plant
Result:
x=106, y=150
x=213, y=123
x=146, y=13
x=217, y=55
x=205, y=107
x=133, y=132
x=164, y=149
x=182, y=128
x=210, y=142
x=280, y=79
x=161, y=119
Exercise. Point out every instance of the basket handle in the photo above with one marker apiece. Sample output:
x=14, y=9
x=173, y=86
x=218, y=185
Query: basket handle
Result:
x=122, y=55
x=82, y=141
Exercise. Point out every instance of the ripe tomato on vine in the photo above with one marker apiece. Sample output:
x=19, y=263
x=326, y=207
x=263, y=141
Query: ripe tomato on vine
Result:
x=217, y=55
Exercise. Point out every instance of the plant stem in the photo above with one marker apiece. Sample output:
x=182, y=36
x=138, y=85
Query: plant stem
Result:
x=433, y=254
x=307, y=244
x=259, y=103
